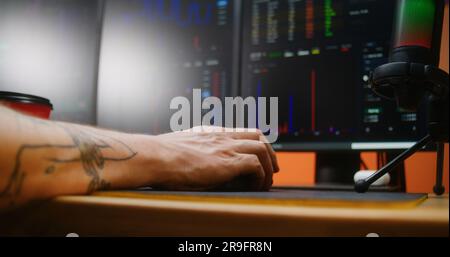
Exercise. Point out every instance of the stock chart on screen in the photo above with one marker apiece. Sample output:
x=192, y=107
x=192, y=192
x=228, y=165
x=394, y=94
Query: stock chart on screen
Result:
x=316, y=56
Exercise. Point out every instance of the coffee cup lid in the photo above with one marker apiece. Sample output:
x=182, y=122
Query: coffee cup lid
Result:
x=24, y=98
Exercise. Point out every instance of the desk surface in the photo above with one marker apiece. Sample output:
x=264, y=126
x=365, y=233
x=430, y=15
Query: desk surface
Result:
x=112, y=215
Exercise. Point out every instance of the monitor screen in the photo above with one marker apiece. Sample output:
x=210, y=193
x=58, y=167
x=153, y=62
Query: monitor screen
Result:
x=155, y=50
x=316, y=56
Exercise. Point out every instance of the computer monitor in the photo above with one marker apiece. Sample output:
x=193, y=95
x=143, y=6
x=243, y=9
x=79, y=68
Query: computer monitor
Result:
x=155, y=50
x=316, y=56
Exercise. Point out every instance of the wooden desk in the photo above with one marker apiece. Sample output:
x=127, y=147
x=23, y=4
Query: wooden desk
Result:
x=104, y=215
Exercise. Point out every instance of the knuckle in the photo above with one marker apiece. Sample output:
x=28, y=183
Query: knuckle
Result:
x=261, y=147
x=254, y=161
x=259, y=132
x=213, y=138
x=223, y=150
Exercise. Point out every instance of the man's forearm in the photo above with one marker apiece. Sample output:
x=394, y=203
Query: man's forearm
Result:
x=43, y=159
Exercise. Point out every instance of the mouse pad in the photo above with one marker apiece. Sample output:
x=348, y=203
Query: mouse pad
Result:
x=285, y=197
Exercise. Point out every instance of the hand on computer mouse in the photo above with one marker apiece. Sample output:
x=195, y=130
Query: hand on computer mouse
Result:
x=209, y=158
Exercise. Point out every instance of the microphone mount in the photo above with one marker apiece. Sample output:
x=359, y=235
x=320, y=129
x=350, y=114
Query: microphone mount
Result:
x=395, y=80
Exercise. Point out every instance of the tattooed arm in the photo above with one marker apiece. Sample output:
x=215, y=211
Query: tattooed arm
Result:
x=42, y=159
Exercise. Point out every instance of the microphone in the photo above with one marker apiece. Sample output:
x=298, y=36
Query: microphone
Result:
x=416, y=44
x=411, y=74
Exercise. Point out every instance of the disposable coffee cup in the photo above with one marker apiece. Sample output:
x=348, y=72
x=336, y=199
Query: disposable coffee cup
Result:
x=31, y=105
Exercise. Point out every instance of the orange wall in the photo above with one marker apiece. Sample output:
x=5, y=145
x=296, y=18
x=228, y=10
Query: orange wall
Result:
x=298, y=168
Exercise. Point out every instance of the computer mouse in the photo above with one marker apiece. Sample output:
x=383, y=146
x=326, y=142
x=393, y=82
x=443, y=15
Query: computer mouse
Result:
x=244, y=183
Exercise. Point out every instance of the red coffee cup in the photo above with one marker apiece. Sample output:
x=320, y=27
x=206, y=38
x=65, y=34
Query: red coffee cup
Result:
x=28, y=104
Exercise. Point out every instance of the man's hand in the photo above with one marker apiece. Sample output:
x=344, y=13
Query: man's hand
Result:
x=211, y=158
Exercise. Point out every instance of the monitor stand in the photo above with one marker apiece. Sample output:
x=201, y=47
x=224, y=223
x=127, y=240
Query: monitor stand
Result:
x=337, y=168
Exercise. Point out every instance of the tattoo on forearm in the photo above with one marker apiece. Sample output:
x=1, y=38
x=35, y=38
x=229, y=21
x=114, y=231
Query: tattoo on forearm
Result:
x=15, y=181
x=90, y=146
x=93, y=151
